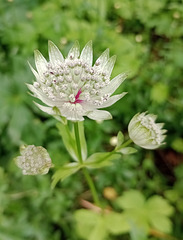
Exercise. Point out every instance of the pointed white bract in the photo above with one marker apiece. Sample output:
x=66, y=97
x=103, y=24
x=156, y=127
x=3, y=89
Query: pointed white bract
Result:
x=73, y=85
x=145, y=132
x=33, y=160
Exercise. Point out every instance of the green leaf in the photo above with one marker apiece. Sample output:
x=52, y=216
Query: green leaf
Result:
x=102, y=159
x=116, y=223
x=161, y=223
x=120, y=138
x=158, y=205
x=177, y=145
x=132, y=199
x=137, y=217
x=127, y=150
x=82, y=140
x=68, y=139
x=64, y=172
x=90, y=225
x=85, y=222
x=99, y=231
x=138, y=233
x=172, y=195
x=158, y=210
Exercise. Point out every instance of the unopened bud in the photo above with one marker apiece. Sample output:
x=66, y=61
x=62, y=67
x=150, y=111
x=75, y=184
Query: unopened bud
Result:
x=145, y=132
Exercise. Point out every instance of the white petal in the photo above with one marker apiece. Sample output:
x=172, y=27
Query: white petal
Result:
x=35, y=73
x=40, y=62
x=48, y=110
x=87, y=54
x=102, y=60
x=75, y=117
x=153, y=116
x=109, y=66
x=112, y=100
x=54, y=53
x=114, y=84
x=74, y=51
x=99, y=115
x=72, y=115
x=41, y=96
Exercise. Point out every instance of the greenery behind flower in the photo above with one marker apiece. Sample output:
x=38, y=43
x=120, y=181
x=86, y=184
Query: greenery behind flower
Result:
x=146, y=36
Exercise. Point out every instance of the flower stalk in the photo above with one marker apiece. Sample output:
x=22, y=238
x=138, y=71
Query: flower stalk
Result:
x=85, y=172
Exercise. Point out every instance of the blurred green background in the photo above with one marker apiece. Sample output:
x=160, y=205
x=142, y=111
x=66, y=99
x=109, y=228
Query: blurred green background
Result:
x=147, y=37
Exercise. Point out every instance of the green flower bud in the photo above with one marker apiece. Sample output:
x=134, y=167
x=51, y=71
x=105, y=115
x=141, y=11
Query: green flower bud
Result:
x=145, y=132
x=33, y=160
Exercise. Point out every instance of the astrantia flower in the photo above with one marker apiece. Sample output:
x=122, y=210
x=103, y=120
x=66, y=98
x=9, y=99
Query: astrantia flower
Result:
x=33, y=160
x=145, y=132
x=73, y=86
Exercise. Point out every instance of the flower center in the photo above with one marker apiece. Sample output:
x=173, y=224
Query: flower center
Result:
x=77, y=100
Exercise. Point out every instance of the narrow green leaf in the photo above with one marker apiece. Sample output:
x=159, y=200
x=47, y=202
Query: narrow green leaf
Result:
x=64, y=172
x=127, y=150
x=82, y=140
x=120, y=138
x=68, y=139
x=102, y=159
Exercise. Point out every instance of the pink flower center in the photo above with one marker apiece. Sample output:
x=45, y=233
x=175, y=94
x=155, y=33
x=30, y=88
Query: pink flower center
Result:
x=77, y=97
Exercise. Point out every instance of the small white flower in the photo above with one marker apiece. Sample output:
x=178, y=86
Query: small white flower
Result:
x=33, y=160
x=73, y=85
x=145, y=132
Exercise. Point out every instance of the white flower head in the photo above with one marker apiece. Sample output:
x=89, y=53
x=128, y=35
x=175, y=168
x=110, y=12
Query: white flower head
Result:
x=145, y=132
x=73, y=85
x=33, y=160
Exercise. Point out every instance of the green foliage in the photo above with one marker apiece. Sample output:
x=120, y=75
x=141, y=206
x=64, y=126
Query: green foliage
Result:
x=68, y=139
x=98, y=160
x=99, y=226
x=159, y=93
x=64, y=172
x=127, y=150
x=146, y=36
x=175, y=195
x=120, y=139
x=154, y=212
x=177, y=145
x=138, y=217
x=30, y=209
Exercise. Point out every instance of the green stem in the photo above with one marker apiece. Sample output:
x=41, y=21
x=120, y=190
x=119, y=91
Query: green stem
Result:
x=85, y=172
x=77, y=138
x=124, y=144
x=92, y=187
x=127, y=143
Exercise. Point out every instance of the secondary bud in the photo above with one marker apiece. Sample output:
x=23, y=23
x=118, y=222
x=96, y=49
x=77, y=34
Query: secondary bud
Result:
x=145, y=132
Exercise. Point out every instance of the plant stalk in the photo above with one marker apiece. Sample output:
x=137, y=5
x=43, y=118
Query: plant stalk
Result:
x=85, y=172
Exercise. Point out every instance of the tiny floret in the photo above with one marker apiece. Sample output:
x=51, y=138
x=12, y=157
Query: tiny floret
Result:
x=145, y=132
x=73, y=85
x=33, y=160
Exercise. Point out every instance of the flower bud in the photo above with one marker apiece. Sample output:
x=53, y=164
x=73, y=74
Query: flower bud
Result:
x=145, y=132
x=33, y=160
